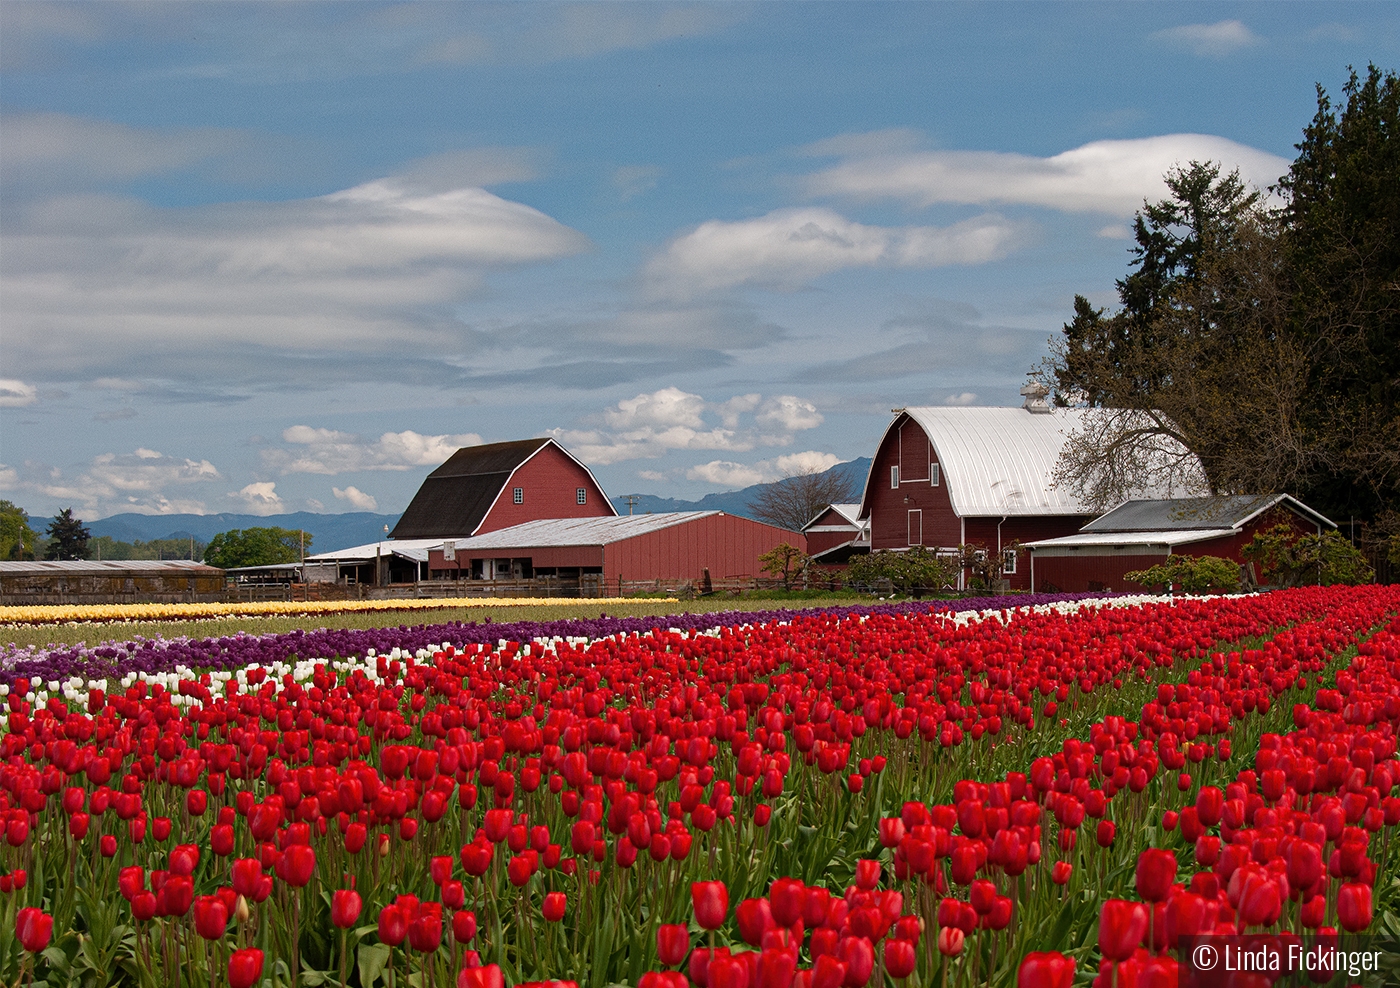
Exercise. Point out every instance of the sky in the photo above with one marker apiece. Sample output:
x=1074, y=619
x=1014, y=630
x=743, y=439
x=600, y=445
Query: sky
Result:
x=280, y=257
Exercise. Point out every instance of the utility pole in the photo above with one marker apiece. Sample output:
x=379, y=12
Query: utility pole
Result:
x=631, y=500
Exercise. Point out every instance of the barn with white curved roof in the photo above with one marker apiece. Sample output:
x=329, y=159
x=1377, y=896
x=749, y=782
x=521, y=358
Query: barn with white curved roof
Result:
x=949, y=476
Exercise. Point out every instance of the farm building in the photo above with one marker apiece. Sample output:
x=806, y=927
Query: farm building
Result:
x=88, y=581
x=837, y=533
x=373, y=564
x=611, y=552
x=482, y=489
x=949, y=476
x=1139, y=534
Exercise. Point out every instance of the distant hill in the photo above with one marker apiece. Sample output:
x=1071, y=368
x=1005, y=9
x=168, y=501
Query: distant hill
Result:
x=732, y=502
x=329, y=532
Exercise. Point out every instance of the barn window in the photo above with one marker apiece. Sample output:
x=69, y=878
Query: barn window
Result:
x=583, y=495
x=894, y=477
x=519, y=495
x=933, y=474
x=1008, y=562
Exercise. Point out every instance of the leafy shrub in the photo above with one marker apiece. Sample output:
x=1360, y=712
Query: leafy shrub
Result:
x=1194, y=574
x=914, y=571
x=1288, y=559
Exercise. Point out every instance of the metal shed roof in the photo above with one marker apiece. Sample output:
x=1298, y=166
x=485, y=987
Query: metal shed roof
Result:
x=108, y=567
x=1183, y=513
x=576, y=531
x=1124, y=543
x=414, y=549
x=849, y=512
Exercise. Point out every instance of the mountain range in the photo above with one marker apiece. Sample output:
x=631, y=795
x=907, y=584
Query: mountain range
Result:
x=340, y=531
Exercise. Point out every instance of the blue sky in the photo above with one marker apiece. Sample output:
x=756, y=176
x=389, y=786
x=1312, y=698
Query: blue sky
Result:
x=279, y=257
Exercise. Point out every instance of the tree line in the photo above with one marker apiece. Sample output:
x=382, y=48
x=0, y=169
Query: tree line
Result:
x=1256, y=344
x=67, y=538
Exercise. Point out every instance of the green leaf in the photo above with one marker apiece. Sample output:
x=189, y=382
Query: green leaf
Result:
x=372, y=959
x=314, y=978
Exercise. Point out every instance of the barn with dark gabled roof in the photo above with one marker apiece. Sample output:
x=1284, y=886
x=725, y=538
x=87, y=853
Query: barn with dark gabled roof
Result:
x=485, y=488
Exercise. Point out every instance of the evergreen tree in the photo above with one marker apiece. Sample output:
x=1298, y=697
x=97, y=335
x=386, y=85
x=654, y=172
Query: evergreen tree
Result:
x=68, y=537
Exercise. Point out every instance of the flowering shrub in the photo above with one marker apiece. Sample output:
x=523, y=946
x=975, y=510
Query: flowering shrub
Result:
x=783, y=800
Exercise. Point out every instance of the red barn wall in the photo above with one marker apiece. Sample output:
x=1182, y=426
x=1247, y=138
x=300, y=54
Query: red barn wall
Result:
x=725, y=544
x=983, y=531
x=549, y=481
x=889, y=511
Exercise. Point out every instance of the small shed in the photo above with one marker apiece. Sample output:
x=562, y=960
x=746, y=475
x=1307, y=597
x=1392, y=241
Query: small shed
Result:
x=1138, y=534
x=118, y=581
x=373, y=564
x=837, y=533
x=667, y=547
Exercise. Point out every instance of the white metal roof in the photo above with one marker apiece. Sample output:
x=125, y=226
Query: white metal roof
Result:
x=1095, y=543
x=999, y=461
x=414, y=549
x=850, y=512
x=105, y=566
x=575, y=531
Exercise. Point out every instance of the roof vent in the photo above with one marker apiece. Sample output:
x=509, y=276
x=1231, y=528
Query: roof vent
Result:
x=1035, y=394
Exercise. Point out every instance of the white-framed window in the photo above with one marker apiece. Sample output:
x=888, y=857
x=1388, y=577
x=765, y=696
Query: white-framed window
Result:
x=518, y=495
x=894, y=477
x=1008, y=562
x=583, y=495
x=933, y=474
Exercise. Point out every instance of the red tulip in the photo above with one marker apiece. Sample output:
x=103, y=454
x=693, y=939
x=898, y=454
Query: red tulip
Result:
x=775, y=969
x=672, y=943
x=899, y=958
x=786, y=899
x=711, y=902
x=1260, y=900
x=489, y=976
x=1156, y=871
x=33, y=929
x=1304, y=864
x=464, y=926
x=950, y=941
x=553, y=907
x=1060, y=872
x=440, y=868
x=210, y=917
x=828, y=971
x=184, y=859
x=1049, y=969
x=221, y=839
x=247, y=873
x=108, y=845
x=425, y=931
x=245, y=967
x=393, y=925
x=297, y=865
x=1121, y=927
x=1354, y=906
x=867, y=873
x=754, y=918
x=345, y=907
x=1104, y=833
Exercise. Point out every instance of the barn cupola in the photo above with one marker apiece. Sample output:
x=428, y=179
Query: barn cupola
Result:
x=1035, y=394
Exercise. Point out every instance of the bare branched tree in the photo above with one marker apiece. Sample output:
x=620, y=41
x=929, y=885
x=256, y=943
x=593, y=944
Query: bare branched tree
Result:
x=794, y=501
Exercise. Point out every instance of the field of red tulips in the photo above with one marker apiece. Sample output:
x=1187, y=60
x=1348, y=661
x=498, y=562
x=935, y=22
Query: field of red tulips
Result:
x=1035, y=797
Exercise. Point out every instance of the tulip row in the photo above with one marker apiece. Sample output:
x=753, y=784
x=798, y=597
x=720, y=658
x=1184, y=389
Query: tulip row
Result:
x=535, y=809
x=18, y=614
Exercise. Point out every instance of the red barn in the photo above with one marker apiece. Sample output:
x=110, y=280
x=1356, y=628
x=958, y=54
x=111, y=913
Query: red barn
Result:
x=485, y=488
x=673, y=546
x=944, y=477
x=1138, y=534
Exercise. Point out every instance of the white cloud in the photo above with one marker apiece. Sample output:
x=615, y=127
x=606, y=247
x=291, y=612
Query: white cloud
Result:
x=329, y=452
x=259, y=498
x=376, y=269
x=357, y=498
x=966, y=398
x=1116, y=231
x=727, y=473
x=789, y=413
x=667, y=407
x=787, y=248
x=17, y=394
x=1112, y=177
x=9, y=477
x=655, y=475
x=653, y=424
x=137, y=481
x=1210, y=40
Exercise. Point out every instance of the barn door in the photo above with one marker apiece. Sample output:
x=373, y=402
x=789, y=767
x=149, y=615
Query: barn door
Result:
x=916, y=527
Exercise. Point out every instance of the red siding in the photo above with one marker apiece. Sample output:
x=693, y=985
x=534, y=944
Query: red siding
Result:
x=1075, y=573
x=725, y=544
x=983, y=531
x=889, y=509
x=549, y=481
x=821, y=541
x=913, y=453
